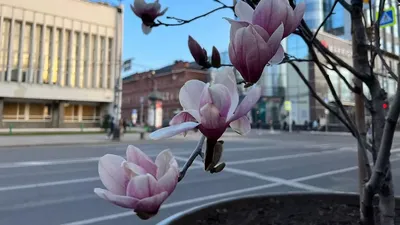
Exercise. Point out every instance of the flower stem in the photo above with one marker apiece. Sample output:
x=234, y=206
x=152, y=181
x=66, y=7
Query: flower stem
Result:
x=192, y=157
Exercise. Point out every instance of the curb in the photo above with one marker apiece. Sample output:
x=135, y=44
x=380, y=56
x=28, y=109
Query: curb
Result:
x=68, y=144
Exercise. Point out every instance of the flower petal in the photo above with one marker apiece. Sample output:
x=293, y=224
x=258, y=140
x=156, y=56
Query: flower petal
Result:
x=136, y=156
x=189, y=115
x=278, y=57
x=112, y=174
x=247, y=103
x=132, y=169
x=189, y=95
x=142, y=186
x=210, y=117
x=241, y=125
x=164, y=161
x=205, y=96
x=172, y=130
x=235, y=25
x=168, y=181
x=123, y=201
x=151, y=204
x=298, y=16
x=274, y=41
x=244, y=11
x=227, y=78
x=221, y=98
x=146, y=29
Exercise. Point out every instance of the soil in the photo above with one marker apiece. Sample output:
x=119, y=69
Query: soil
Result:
x=282, y=211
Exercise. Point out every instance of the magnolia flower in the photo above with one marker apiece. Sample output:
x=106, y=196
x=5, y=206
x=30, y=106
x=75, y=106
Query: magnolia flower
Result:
x=211, y=108
x=138, y=183
x=252, y=48
x=148, y=12
x=270, y=14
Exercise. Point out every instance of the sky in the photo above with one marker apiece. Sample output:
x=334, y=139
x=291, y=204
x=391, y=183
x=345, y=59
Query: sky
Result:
x=164, y=45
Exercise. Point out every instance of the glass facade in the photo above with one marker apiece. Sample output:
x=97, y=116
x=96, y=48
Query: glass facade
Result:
x=37, y=55
x=46, y=56
x=5, y=46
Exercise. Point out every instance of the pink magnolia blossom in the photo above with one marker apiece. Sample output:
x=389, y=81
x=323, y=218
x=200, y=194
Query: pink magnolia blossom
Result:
x=251, y=48
x=211, y=108
x=270, y=14
x=138, y=183
x=148, y=12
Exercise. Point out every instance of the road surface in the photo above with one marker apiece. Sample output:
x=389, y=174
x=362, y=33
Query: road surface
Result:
x=53, y=185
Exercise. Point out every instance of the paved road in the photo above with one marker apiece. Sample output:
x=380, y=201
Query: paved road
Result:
x=54, y=185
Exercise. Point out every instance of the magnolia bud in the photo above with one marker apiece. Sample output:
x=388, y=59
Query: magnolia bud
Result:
x=215, y=58
x=199, y=54
x=213, y=153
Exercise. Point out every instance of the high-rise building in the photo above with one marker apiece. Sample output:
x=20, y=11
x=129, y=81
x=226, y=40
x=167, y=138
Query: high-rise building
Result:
x=58, y=62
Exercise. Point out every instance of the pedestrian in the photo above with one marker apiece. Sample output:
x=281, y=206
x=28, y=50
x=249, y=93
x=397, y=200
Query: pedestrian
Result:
x=111, y=128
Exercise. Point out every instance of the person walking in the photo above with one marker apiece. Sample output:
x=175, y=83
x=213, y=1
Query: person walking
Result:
x=111, y=128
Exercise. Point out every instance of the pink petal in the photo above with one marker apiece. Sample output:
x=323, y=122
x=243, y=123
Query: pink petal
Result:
x=142, y=186
x=241, y=125
x=237, y=62
x=247, y=103
x=151, y=204
x=221, y=98
x=163, y=12
x=164, y=161
x=274, y=41
x=278, y=57
x=112, y=174
x=244, y=11
x=257, y=56
x=168, y=181
x=185, y=116
x=237, y=53
x=235, y=25
x=205, y=97
x=228, y=78
x=146, y=29
x=123, y=201
x=298, y=16
x=132, y=169
x=210, y=117
x=189, y=95
x=172, y=130
x=136, y=156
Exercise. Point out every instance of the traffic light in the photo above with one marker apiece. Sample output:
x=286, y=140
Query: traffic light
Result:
x=385, y=105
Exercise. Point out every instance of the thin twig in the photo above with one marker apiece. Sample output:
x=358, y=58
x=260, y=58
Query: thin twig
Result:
x=324, y=21
x=185, y=21
x=192, y=157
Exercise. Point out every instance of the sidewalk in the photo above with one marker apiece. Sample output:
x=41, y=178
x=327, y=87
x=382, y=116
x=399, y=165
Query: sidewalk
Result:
x=66, y=139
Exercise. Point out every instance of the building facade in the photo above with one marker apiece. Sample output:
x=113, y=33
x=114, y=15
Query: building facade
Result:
x=58, y=62
x=167, y=81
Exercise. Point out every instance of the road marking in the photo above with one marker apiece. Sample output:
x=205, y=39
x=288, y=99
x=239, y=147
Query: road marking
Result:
x=56, y=183
x=299, y=155
x=202, y=199
x=267, y=178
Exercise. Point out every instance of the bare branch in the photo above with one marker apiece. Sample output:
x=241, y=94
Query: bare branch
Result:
x=192, y=157
x=185, y=21
x=324, y=21
x=345, y=5
x=378, y=52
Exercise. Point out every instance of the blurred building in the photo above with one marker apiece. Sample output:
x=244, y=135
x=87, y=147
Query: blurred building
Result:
x=167, y=81
x=58, y=62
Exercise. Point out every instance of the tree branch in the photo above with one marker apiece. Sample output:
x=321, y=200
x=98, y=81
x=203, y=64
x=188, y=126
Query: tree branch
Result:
x=345, y=5
x=192, y=157
x=324, y=21
x=185, y=21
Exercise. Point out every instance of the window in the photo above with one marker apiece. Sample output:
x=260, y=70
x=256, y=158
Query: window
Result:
x=37, y=57
x=27, y=46
x=57, y=66
x=13, y=111
x=109, y=74
x=78, y=60
x=88, y=113
x=73, y=59
x=94, y=57
x=102, y=61
x=67, y=48
x=71, y=113
x=39, y=112
x=5, y=42
x=46, y=55
x=86, y=62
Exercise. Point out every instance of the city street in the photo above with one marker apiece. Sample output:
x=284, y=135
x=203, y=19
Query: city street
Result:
x=53, y=185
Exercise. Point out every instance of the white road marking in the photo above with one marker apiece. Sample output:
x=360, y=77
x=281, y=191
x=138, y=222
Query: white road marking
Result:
x=299, y=155
x=267, y=178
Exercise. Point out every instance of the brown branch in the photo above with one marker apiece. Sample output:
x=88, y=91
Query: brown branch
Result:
x=185, y=21
x=324, y=21
x=319, y=99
